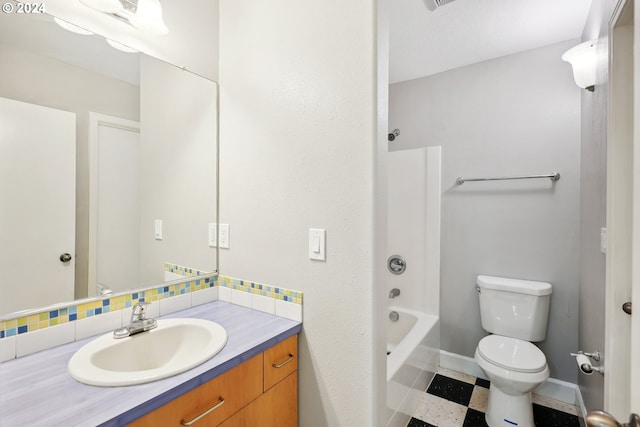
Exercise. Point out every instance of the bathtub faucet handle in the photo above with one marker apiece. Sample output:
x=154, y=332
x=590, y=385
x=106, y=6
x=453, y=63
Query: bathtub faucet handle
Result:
x=394, y=293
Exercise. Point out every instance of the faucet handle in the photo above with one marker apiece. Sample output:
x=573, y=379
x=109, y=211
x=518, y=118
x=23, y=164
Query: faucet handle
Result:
x=139, y=310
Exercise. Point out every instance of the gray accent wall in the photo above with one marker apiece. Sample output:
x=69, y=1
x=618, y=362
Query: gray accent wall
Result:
x=514, y=115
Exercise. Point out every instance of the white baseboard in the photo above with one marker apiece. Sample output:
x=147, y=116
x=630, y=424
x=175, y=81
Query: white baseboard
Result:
x=553, y=388
x=459, y=363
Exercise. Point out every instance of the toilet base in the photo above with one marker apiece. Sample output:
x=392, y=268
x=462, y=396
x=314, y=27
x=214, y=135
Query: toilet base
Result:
x=505, y=410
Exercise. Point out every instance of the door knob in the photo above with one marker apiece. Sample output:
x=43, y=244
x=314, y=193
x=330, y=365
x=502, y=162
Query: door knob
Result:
x=65, y=257
x=626, y=307
x=604, y=419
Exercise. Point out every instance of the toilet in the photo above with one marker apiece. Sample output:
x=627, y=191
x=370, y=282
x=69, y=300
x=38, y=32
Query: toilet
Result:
x=515, y=313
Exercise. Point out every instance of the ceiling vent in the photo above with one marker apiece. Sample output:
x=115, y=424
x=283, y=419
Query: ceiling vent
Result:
x=434, y=4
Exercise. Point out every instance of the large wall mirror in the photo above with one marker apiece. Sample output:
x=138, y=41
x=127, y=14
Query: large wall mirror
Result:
x=108, y=166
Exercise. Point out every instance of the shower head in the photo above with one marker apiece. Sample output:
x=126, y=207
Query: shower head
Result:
x=392, y=136
x=434, y=4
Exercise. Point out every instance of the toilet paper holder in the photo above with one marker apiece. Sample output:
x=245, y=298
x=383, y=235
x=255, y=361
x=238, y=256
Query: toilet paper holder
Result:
x=584, y=364
x=595, y=355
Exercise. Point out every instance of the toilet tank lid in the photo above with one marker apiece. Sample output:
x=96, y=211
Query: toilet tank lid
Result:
x=514, y=285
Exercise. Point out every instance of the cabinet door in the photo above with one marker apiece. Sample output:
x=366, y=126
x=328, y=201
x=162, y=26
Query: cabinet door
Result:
x=280, y=360
x=278, y=407
x=226, y=393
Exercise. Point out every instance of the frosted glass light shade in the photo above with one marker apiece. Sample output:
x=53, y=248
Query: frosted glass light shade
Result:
x=121, y=47
x=583, y=60
x=148, y=17
x=107, y=6
x=70, y=27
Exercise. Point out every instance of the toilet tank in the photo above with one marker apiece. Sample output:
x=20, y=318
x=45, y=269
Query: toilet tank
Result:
x=513, y=307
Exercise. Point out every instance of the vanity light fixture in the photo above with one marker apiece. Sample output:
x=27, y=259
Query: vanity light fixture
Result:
x=106, y=6
x=145, y=15
x=583, y=60
x=121, y=47
x=148, y=17
x=70, y=27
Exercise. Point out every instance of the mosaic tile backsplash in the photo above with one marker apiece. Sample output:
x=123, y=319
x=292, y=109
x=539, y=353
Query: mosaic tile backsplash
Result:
x=75, y=312
x=261, y=289
x=183, y=271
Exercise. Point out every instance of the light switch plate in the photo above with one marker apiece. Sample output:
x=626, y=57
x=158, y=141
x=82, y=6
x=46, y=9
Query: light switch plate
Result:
x=213, y=234
x=603, y=240
x=223, y=235
x=317, y=244
x=158, y=229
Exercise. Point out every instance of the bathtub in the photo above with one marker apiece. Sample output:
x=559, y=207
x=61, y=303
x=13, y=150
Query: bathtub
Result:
x=413, y=353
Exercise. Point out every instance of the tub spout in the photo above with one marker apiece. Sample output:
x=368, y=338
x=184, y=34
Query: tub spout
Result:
x=394, y=293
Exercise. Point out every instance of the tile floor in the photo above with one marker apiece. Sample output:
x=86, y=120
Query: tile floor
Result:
x=458, y=400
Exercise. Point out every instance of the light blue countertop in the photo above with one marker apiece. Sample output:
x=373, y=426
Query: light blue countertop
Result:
x=36, y=390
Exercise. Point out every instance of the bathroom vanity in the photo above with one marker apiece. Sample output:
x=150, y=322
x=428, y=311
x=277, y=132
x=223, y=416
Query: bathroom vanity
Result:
x=252, y=381
x=259, y=392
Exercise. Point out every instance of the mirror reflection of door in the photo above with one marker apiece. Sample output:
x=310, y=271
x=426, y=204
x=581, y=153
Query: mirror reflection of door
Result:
x=118, y=209
x=37, y=205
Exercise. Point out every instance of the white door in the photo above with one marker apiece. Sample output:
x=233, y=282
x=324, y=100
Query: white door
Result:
x=622, y=331
x=115, y=202
x=37, y=205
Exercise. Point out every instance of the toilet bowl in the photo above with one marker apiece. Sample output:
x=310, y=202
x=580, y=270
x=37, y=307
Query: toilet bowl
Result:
x=516, y=312
x=515, y=368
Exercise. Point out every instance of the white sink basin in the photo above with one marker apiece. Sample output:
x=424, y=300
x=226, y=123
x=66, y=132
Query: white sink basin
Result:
x=175, y=346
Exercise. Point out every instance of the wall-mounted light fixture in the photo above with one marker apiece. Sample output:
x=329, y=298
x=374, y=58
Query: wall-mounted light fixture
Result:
x=79, y=30
x=121, y=47
x=146, y=15
x=583, y=60
x=70, y=27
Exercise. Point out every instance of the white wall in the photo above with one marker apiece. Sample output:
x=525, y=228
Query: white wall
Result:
x=298, y=143
x=178, y=168
x=515, y=115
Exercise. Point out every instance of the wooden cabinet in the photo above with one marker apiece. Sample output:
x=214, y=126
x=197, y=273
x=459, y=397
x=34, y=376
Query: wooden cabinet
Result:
x=280, y=361
x=278, y=407
x=262, y=391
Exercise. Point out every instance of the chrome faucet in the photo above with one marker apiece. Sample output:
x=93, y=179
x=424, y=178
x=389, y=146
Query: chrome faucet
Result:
x=138, y=323
x=394, y=292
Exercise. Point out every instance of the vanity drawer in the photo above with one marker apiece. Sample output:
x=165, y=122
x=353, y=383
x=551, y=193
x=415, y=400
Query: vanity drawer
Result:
x=277, y=407
x=279, y=361
x=229, y=392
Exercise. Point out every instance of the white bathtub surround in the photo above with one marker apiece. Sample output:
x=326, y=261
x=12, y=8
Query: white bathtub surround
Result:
x=413, y=342
x=413, y=209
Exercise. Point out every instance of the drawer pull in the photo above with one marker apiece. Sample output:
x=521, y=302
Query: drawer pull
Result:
x=280, y=365
x=204, y=414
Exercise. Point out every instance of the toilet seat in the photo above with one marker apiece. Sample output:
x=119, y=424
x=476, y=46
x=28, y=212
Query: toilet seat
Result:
x=512, y=354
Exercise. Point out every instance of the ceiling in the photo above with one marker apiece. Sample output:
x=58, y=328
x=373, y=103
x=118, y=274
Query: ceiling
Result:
x=424, y=42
